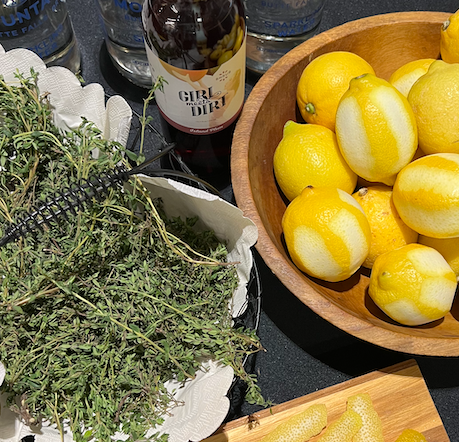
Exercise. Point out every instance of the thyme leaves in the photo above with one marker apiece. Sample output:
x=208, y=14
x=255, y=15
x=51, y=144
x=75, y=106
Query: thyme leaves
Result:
x=98, y=311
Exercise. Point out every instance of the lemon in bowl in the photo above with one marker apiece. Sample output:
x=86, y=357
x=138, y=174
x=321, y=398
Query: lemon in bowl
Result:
x=308, y=155
x=414, y=285
x=434, y=98
x=405, y=76
x=323, y=83
x=327, y=233
x=449, y=43
x=388, y=231
x=425, y=195
x=376, y=129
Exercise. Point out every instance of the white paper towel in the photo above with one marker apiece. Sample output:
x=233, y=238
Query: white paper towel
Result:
x=203, y=399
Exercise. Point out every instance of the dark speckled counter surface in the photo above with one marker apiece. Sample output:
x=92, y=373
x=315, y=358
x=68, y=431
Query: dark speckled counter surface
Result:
x=303, y=353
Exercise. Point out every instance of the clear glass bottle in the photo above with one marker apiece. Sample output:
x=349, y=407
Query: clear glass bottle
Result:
x=198, y=47
x=277, y=26
x=44, y=27
x=122, y=24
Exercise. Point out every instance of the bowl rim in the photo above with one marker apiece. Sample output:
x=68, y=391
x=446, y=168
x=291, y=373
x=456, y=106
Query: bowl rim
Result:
x=391, y=339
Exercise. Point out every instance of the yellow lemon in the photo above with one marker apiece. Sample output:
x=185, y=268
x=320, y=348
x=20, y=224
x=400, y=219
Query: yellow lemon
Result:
x=376, y=129
x=448, y=247
x=435, y=102
x=308, y=155
x=410, y=435
x=388, y=231
x=449, y=39
x=405, y=76
x=426, y=196
x=413, y=284
x=327, y=233
x=324, y=81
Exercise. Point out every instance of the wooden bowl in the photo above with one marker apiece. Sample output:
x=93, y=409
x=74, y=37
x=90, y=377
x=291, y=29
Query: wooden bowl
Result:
x=387, y=42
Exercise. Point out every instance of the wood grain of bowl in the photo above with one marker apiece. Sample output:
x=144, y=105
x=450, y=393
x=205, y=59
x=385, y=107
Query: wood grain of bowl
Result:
x=387, y=42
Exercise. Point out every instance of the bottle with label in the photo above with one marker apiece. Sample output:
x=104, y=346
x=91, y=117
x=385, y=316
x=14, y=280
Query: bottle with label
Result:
x=122, y=25
x=44, y=27
x=277, y=26
x=199, y=48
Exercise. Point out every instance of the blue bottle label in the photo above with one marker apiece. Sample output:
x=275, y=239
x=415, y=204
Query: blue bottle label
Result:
x=39, y=25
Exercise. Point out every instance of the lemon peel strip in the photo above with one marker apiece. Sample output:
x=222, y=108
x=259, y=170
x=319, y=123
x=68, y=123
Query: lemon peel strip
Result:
x=410, y=435
x=344, y=428
x=371, y=430
x=300, y=427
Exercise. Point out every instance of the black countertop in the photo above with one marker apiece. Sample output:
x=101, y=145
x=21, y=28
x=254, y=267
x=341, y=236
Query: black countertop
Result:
x=304, y=353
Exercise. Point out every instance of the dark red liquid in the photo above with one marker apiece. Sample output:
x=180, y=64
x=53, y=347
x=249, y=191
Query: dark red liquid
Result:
x=207, y=156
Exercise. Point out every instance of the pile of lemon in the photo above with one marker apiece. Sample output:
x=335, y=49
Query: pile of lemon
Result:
x=372, y=178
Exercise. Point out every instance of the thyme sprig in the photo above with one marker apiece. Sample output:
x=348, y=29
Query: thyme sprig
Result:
x=99, y=311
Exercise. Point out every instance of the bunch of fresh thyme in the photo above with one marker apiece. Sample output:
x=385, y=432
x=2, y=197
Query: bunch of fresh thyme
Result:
x=97, y=312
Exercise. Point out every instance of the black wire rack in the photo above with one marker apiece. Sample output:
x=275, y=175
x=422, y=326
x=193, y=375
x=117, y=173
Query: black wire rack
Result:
x=79, y=196
x=250, y=318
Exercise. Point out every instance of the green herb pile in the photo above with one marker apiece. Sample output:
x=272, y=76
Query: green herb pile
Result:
x=98, y=311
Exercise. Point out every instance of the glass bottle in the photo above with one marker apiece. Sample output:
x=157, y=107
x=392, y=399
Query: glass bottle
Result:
x=199, y=48
x=277, y=26
x=44, y=27
x=122, y=24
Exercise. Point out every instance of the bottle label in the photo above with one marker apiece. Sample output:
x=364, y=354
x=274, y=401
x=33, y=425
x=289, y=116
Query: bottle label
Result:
x=201, y=102
x=27, y=23
x=21, y=16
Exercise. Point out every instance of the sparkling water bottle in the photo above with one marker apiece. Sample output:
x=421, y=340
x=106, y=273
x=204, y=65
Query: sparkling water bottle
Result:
x=276, y=26
x=44, y=27
x=122, y=24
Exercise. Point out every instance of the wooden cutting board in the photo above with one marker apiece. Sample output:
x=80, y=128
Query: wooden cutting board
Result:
x=399, y=394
